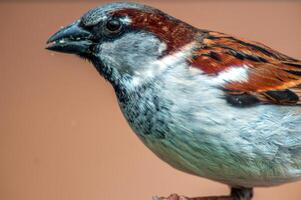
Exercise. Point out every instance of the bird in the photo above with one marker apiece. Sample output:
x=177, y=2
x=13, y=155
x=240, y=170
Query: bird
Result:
x=205, y=102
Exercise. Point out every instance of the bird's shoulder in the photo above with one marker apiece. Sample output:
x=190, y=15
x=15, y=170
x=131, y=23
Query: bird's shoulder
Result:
x=270, y=76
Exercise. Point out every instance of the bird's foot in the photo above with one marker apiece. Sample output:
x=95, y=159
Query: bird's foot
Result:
x=172, y=197
x=236, y=194
x=177, y=197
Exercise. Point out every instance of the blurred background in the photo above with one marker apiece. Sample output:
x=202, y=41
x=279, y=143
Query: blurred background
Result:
x=62, y=135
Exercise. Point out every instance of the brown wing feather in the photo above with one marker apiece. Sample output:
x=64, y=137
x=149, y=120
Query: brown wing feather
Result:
x=272, y=76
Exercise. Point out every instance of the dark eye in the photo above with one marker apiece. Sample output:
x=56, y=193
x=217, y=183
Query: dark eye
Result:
x=114, y=25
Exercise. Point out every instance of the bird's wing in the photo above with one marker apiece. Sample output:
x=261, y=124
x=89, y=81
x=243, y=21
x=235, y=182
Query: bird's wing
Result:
x=270, y=77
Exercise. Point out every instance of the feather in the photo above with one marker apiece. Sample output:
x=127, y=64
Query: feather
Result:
x=272, y=77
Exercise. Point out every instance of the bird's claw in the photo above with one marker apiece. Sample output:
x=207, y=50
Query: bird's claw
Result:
x=171, y=197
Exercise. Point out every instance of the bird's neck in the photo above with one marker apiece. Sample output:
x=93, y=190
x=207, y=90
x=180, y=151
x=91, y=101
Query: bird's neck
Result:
x=122, y=83
x=125, y=84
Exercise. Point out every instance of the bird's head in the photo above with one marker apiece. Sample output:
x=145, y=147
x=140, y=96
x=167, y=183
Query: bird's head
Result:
x=126, y=38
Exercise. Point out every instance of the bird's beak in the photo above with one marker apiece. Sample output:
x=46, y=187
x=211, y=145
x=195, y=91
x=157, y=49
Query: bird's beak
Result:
x=71, y=39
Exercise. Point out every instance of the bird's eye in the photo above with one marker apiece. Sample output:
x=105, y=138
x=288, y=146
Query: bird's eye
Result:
x=114, y=26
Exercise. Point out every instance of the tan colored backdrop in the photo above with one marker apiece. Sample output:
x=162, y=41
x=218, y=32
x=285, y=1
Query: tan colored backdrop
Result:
x=62, y=136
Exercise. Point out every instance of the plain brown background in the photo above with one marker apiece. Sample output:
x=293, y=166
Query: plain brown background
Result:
x=62, y=135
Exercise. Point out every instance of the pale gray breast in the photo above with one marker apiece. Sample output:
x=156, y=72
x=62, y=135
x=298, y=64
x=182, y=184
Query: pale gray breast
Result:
x=192, y=128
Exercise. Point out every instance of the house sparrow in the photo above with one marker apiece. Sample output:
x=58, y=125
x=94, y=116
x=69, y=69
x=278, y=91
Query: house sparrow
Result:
x=205, y=102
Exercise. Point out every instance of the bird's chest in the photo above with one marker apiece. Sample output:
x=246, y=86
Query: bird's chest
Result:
x=147, y=113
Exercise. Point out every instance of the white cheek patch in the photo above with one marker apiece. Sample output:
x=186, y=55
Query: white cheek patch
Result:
x=177, y=57
x=158, y=66
x=233, y=74
x=170, y=60
x=162, y=48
